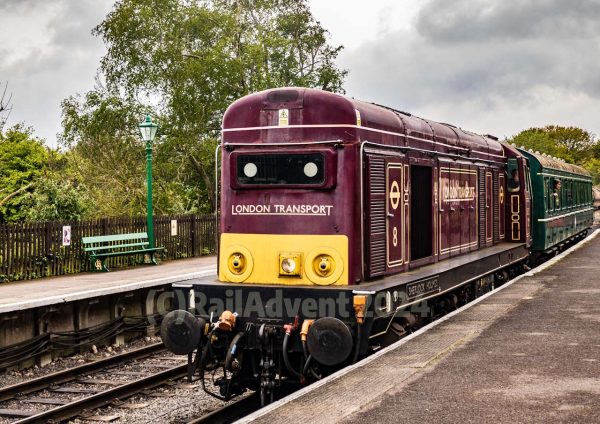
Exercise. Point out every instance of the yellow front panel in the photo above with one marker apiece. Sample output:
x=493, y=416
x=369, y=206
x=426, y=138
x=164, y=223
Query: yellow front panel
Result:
x=258, y=257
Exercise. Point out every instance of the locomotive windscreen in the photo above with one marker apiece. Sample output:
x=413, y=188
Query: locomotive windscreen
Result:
x=281, y=169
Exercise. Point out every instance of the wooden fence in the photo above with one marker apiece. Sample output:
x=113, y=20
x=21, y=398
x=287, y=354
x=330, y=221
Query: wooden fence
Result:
x=33, y=250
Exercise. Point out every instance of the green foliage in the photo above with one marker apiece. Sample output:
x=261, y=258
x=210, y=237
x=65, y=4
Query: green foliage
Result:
x=22, y=161
x=34, y=182
x=106, y=154
x=572, y=144
x=593, y=166
x=56, y=199
x=184, y=62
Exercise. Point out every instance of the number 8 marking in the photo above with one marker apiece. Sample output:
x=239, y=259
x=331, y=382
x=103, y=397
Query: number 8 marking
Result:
x=395, y=236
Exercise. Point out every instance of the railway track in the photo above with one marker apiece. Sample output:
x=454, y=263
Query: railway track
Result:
x=93, y=385
x=231, y=412
x=240, y=408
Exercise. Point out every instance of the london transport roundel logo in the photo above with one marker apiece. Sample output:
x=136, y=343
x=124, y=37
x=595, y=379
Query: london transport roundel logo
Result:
x=395, y=195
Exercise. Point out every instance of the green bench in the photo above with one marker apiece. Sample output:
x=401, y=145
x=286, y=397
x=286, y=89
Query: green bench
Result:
x=99, y=248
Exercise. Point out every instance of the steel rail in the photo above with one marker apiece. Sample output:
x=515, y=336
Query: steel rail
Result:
x=230, y=413
x=98, y=400
x=241, y=408
x=41, y=383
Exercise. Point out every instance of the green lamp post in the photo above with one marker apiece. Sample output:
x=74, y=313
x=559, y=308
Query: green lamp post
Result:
x=148, y=131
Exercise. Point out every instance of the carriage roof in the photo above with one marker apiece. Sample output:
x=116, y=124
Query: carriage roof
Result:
x=551, y=163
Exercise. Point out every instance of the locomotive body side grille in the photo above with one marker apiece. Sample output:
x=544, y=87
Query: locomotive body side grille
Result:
x=496, y=212
x=481, y=217
x=375, y=228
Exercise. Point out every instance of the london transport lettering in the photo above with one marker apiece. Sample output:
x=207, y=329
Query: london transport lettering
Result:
x=317, y=210
x=453, y=192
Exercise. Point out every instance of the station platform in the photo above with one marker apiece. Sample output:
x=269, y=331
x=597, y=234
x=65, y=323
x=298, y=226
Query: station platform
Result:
x=527, y=352
x=21, y=295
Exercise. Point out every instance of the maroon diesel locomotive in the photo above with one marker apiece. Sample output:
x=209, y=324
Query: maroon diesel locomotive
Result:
x=343, y=225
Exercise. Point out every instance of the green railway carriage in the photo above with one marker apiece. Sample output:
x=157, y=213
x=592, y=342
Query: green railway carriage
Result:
x=562, y=201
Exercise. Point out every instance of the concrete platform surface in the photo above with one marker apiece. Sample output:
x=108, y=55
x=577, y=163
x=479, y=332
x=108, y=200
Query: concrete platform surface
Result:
x=20, y=295
x=528, y=353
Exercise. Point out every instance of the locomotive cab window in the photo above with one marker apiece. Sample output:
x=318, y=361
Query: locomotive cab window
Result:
x=513, y=184
x=281, y=169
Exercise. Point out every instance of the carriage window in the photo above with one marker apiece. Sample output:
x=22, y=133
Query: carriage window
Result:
x=547, y=195
x=589, y=193
x=557, y=193
x=281, y=169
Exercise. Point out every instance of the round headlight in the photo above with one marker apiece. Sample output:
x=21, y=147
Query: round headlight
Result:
x=250, y=170
x=311, y=169
x=288, y=265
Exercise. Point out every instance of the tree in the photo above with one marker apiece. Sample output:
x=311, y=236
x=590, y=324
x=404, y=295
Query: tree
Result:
x=187, y=61
x=5, y=105
x=33, y=182
x=572, y=144
x=56, y=199
x=105, y=152
x=22, y=161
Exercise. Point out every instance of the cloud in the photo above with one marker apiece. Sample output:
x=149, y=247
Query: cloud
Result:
x=526, y=62
x=486, y=65
x=485, y=20
x=50, y=55
x=19, y=6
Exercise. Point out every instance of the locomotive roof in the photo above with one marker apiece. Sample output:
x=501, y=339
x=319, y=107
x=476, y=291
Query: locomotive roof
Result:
x=549, y=162
x=316, y=115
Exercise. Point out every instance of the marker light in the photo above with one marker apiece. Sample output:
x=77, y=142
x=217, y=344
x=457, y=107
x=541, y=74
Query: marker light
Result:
x=289, y=264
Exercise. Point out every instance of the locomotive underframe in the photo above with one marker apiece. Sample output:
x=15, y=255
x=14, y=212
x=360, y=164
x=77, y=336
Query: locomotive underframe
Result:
x=265, y=313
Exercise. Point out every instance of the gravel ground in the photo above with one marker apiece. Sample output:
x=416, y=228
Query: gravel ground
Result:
x=175, y=403
x=179, y=403
x=14, y=377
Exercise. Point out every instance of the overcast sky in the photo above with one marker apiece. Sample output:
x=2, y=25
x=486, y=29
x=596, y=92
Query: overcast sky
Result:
x=490, y=66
